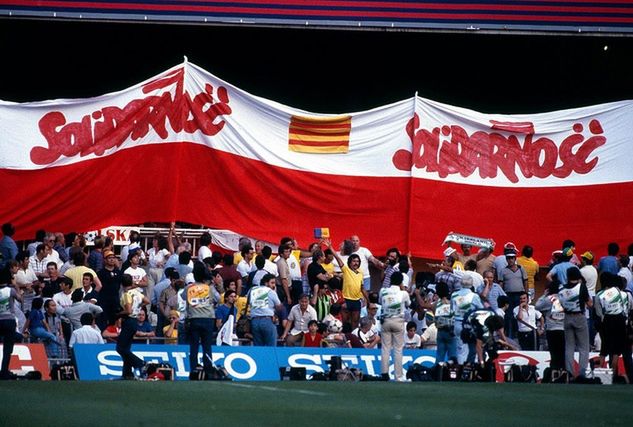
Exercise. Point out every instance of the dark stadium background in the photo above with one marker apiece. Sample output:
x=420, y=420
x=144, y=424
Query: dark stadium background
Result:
x=328, y=71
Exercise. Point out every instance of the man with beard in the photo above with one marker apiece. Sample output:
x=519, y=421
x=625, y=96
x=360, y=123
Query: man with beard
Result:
x=391, y=266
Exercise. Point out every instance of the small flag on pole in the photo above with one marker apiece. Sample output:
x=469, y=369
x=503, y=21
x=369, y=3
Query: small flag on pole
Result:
x=321, y=233
x=319, y=134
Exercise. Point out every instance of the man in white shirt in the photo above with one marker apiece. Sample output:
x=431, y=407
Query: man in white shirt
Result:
x=298, y=319
x=527, y=316
x=26, y=281
x=205, y=251
x=269, y=266
x=51, y=252
x=88, y=333
x=38, y=262
x=245, y=266
x=589, y=272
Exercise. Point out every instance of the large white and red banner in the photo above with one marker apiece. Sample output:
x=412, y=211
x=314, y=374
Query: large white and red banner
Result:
x=188, y=146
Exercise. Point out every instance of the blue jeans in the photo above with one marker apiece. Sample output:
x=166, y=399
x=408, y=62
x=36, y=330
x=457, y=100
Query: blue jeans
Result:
x=446, y=346
x=50, y=340
x=460, y=347
x=264, y=332
x=124, y=347
x=7, y=332
x=367, y=283
x=200, y=332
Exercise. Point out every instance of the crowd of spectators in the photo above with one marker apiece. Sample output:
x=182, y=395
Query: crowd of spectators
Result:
x=323, y=297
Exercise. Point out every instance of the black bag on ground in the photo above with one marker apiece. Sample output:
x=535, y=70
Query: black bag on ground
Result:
x=485, y=373
x=216, y=373
x=555, y=376
x=522, y=374
x=529, y=373
x=197, y=374
x=448, y=372
x=468, y=373
x=514, y=374
x=560, y=376
x=63, y=372
x=418, y=372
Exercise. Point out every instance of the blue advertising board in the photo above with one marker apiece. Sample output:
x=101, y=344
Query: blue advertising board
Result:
x=248, y=363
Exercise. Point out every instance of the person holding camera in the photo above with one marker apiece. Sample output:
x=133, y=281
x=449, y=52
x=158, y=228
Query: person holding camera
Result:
x=394, y=301
x=486, y=334
x=554, y=315
x=463, y=301
x=445, y=322
x=199, y=315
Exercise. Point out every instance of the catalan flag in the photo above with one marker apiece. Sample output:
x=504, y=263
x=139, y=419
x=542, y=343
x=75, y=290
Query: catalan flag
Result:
x=319, y=134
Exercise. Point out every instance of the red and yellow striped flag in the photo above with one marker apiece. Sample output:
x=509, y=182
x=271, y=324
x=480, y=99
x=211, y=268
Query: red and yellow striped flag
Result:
x=319, y=134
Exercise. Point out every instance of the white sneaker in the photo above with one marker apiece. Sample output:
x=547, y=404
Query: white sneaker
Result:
x=403, y=380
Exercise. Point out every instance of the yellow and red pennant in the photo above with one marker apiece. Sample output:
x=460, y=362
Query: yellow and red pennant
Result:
x=319, y=134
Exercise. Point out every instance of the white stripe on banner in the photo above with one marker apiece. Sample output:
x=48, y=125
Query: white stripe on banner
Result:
x=415, y=137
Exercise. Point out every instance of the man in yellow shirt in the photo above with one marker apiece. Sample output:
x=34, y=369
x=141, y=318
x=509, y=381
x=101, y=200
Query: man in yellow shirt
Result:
x=531, y=268
x=353, y=290
x=77, y=272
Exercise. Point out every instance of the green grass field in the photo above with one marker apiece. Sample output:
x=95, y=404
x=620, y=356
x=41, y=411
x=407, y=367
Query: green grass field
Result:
x=294, y=403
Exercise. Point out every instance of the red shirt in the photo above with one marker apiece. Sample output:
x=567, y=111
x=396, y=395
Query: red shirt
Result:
x=309, y=341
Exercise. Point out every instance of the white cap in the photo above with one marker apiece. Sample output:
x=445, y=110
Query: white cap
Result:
x=189, y=279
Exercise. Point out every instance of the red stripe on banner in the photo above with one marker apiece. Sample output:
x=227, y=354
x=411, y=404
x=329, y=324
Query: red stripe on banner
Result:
x=514, y=13
x=517, y=127
x=165, y=182
x=330, y=133
x=298, y=124
x=313, y=143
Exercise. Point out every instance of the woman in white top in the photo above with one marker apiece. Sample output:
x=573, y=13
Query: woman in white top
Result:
x=157, y=256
